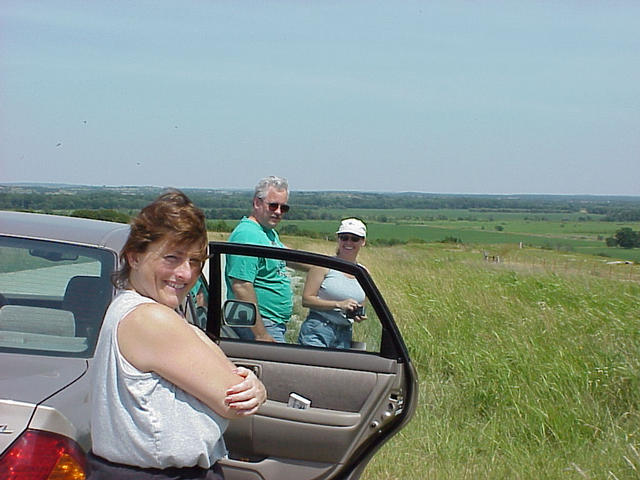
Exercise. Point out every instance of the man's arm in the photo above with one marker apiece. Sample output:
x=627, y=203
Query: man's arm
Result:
x=244, y=290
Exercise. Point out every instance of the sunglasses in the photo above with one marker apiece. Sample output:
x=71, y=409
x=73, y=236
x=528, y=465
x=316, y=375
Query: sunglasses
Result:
x=345, y=236
x=273, y=206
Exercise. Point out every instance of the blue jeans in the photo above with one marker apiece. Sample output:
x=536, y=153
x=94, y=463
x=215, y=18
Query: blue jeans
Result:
x=323, y=333
x=275, y=329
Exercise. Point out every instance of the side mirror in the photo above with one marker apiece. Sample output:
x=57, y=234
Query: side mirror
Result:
x=237, y=313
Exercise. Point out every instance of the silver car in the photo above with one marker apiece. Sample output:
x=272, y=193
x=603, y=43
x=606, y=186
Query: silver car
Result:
x=328, y=411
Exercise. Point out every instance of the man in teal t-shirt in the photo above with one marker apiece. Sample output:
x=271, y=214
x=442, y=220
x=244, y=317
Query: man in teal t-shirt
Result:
x=263, y=281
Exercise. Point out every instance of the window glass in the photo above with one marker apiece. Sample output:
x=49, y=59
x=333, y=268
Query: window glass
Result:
x=305, y=304
x=198, y=301
x=52, y=296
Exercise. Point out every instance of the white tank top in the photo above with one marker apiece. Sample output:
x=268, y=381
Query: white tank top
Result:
x=140, y=418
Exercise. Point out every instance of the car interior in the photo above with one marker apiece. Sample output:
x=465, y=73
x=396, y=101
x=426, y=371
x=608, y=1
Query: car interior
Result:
x=53, y=296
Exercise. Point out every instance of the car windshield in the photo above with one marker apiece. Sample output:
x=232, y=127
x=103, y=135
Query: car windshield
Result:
x=52, y=296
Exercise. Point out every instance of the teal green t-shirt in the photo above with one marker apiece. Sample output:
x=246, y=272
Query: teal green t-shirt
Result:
x=269, y=276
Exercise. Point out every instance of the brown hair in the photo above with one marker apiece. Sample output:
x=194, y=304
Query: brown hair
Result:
x=171, y=215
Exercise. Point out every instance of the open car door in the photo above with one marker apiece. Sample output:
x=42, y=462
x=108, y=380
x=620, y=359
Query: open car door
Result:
x=328, y=410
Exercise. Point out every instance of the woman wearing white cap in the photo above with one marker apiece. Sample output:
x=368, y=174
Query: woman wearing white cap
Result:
x=334, y=297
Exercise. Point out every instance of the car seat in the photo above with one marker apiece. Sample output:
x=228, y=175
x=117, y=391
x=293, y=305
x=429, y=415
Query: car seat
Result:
x=87, y=297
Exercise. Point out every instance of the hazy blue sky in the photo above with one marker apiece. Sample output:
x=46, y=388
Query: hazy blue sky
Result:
x=434, y=96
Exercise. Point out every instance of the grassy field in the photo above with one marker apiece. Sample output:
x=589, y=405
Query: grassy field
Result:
x=529, y=368
x=549, y=232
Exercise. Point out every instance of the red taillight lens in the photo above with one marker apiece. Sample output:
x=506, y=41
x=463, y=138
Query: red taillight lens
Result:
x=39, y=455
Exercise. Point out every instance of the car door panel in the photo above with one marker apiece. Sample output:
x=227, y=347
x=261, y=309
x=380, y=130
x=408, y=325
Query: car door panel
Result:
x=327, y=433
x=275, y=469
x=346, y=382
x=341, y=401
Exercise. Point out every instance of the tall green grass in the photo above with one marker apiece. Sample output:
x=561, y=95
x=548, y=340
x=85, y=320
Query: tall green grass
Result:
x=528, y=368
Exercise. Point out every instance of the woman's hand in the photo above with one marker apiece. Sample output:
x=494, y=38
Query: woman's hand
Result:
x=347, y=305
x=247, y=396
x=360, y=318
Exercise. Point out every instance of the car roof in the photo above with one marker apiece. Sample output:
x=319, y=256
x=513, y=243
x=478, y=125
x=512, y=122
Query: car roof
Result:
x=84, y=231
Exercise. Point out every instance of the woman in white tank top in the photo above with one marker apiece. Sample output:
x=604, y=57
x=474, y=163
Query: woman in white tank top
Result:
x=163, y=393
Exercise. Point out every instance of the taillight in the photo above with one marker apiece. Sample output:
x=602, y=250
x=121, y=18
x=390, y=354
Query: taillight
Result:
x=39, y=455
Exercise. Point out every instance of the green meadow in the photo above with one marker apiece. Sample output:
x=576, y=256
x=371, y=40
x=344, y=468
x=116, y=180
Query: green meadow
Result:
x=528, y=368
x=573, y=232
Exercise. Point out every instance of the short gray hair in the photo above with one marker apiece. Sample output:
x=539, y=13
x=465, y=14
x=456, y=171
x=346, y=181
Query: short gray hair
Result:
x=263, y=185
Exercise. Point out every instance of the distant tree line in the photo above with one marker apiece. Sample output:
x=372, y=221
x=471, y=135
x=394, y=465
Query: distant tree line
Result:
x=232, y=204
x=625, y=238
x=623, y=215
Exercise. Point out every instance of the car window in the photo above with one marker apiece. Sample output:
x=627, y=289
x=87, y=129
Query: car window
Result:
x=360, y=332
x=52, y=296
x=197, y=303
x=196, y=307
x=323, y=326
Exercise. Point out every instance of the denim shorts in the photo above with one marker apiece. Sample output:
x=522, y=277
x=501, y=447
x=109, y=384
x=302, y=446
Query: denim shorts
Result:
x=317, y=332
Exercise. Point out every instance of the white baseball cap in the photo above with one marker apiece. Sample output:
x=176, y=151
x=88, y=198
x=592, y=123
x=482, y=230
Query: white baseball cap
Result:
x=353, y=225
